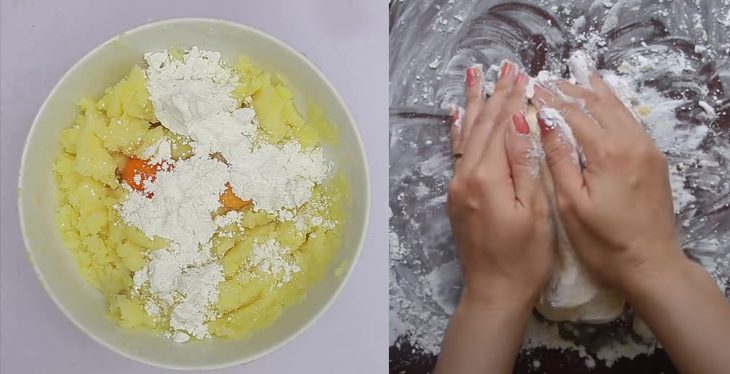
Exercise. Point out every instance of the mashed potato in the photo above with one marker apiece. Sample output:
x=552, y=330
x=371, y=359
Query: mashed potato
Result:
x=121, y=125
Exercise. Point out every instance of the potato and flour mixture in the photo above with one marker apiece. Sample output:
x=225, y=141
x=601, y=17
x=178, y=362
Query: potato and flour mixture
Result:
x=196, y=198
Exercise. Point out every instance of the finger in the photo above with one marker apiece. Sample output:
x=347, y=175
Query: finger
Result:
x=603, y=105
x=475, y=98
x=517, y=100
x=495, y=155
x=523, y=163
x=599, y=85
x=494, y=160
x=561, y=157
x=625, y=118
x=573, y=90
x=586, y=130
x=475, y=142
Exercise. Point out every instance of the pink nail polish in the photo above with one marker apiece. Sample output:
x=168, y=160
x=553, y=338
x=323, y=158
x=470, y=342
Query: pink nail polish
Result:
x=506, y=69
x=521, y=124
x=521, y=80
x=469, y=77
x=473, y=75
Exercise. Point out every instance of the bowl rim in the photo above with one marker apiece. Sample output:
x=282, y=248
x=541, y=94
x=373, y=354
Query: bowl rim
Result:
x=366, y=211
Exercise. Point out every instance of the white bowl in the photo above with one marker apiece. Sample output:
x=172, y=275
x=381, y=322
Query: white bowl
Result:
x=103, y=67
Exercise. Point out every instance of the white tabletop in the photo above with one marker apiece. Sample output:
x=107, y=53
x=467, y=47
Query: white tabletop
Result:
x=40, y=40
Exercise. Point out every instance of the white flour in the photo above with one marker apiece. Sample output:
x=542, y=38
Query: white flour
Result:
x=160, y=152
x=271, y=258
x=581, y=65
x=277, y=179
x=183, y=276
x=228, y=218
x=187, y=91
x=192, y=97
x=182, y=202
x=186, y=280
x=195, y=96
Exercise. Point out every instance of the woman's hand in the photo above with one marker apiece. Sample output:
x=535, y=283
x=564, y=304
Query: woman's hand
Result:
x=617, y=208
x=498, y=209
x=499, y=217
x=617, y=212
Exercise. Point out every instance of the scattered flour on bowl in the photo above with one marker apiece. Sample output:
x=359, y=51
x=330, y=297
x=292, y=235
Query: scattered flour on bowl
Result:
x=282, y=191
x=192, y=97
x=182, y=201
x=189, y=90
x=271, y=258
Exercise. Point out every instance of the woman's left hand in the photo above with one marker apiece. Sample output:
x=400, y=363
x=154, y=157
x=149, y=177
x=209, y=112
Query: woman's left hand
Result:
x=496, y=202
x=500, y=220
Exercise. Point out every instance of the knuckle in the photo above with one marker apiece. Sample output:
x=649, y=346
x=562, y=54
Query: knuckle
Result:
x=647, y=151
x=570, y=108
x=455, y=197
x=593, y=98
x=500, y=94
x=569, y=207
x=571, y=112
x=556, y=151
x=611, y=151
x=477, y=180
x=474, y=94
x=519, y=148
x=483, y=117
x=455, y=190
x=523, y=159
x=502, y=86
x=515, y=95
x=565, y=206
x=464, y=195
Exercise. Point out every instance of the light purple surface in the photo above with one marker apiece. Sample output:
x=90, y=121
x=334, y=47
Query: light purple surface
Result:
x=40, y=40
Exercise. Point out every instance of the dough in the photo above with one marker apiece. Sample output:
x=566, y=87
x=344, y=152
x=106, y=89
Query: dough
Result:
x=571, y=294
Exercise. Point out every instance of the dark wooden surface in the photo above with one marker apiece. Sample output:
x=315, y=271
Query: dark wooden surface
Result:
x=404, y=359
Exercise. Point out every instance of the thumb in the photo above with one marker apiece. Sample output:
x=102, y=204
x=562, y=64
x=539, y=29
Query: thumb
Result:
x=561, y=155
x=523, y=163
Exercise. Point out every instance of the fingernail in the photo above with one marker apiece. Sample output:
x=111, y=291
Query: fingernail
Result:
x=473, y=75
x=545, y=127
x=521, y=80
x=521, y=124
x=506, y=69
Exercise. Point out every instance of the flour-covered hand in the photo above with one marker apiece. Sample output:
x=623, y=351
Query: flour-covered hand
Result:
x=617, y=207
x=617, y=211
x=499, y=218
x=498, y=209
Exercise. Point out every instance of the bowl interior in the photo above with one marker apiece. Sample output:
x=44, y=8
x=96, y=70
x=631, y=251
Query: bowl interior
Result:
x=102, y=68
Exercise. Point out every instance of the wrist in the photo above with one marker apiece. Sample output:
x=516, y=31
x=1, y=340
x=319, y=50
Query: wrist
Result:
x=655, y=275
x=498, y=301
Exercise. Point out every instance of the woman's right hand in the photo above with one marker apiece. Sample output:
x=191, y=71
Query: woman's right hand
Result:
x=617, y=207
x=617, y=212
